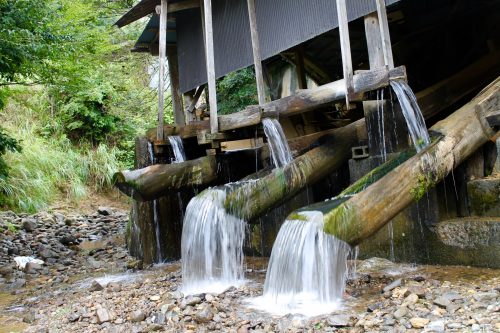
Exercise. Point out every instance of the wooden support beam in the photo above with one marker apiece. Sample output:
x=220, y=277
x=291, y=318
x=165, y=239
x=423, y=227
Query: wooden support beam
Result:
x=210, y=62
x=257, y=60
x=300, y=67
x=161, y=81
x=384, y=32
x=173, y=69
x=374, y=41
x=345, y=46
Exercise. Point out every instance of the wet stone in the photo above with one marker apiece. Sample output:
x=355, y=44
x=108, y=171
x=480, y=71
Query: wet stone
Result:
x=392, y=285
x=339, y=320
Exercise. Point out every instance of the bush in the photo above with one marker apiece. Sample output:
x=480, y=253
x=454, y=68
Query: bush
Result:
x=236, y=91
x=7, y=143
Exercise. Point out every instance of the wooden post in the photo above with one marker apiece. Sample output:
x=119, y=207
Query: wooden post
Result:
x=374, y=41
x=301, y=71
x=177, y=104
x=210, y=62
x=162, y=53
x=345, y=46
x=384, y=32
x=257, y=60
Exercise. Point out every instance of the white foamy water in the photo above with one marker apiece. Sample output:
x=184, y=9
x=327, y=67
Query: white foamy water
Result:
x=307, y=269
x=412, y=113
x=278, y=144
x=212, y=245
x=178, y=148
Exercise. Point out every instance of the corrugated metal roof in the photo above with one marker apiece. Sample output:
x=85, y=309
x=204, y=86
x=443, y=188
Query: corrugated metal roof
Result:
x=281, y=24
x=150, y=34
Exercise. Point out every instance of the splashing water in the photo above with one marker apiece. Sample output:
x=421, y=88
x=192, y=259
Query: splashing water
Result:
x=413, y=115
x=307, y=269
x=178, y=148
x=280, y=151
x=212, y=245
x=156, y=221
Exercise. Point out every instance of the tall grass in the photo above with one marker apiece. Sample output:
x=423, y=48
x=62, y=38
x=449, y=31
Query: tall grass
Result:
x=50, y=166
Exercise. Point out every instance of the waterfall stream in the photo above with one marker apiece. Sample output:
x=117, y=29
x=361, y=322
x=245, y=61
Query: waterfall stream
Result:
x=178, y=148
x=412, y=113
x=307, y=269
x=278, y=144
x=159, y=250
x=212, y=245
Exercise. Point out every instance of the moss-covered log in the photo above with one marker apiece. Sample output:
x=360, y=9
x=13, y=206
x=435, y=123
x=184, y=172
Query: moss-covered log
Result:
x=157, y=180
x=462, y=134
x=256, y=197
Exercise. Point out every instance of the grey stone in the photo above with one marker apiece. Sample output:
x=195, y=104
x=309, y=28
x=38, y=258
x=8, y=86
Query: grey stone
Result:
x=338, y=320
x=137, y=316
x=392, y=285
x=485, y=296
x=400, y=312
x=103, y=315
x=104, y=210
x=442, y=302
x=96, y=286
x=29, y=224
x=204, y=315
x=435, y=326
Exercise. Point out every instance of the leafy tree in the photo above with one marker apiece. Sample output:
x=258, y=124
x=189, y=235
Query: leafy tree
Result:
x=7, y=143
x=236, y=91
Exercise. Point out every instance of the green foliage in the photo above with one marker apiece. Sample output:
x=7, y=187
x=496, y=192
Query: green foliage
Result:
x=74, y=95
x=11, y=227
x=236, y=91
x=7, y=143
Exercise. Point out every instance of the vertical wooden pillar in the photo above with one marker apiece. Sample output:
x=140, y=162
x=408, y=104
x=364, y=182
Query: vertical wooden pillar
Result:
x=162, y=53
x=345, y=46
x=374, y=41
x=257, y=60
x=301, y=71
x=174, y=86
x=210, y=62
x=384, y=32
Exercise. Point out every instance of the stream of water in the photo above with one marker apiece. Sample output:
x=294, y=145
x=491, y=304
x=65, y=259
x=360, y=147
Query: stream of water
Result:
x=159, y=256
x=212, y=245
x=280, y=151
x=307, y=269
x=178, y=149
x=412, y=113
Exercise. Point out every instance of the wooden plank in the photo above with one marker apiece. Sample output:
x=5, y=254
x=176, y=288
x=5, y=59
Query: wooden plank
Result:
x=161, y=81
x=374, y=41
x=384, y=32
x=210, y=63
x=245, y=144
x=301, y=69
x=250, y=116
x=493, y=119
x=173, y=69
x=345, y=46
x=257, y=60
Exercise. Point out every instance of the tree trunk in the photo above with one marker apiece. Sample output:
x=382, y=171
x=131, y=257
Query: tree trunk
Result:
x=254, y=198
x=462, y=134
x=156, y=180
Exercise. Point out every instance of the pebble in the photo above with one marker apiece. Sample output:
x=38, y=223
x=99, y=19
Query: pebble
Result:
x=418, y=322
x=435, y=326
x=103, y=315
x=137, y=316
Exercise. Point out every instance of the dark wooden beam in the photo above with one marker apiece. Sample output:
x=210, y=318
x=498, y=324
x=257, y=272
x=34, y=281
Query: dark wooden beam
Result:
x=146, y=7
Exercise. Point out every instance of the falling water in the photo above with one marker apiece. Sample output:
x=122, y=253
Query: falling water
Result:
x=212, y=245
x=280, y=151
x=413, y=115
x=178, y=148
x=159, y=256
x=307, y=269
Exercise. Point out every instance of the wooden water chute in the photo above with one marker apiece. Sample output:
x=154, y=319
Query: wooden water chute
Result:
x=458, y=136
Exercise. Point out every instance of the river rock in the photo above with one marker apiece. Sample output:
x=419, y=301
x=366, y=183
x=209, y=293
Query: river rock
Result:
x=392, y=285
x=96, y=286
x=29, y=224
x=442, y=302
x=418, y=322
x=204, y=315
x=106, y=211
x=338, y=320
x=103, y=315
x=400, y=312
x=435, y=326
x=137, y=316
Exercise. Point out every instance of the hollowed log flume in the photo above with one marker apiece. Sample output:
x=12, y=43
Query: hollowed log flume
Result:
x=154, y=181
x=358, y=217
